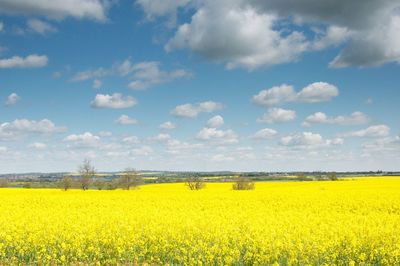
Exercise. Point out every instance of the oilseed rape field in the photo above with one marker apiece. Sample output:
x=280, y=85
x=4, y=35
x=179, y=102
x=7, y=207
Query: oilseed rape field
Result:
x=349, y=222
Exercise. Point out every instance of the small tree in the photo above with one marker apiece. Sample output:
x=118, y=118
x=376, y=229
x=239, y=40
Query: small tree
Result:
x=195, y=183
x=243, y=183
x=332, y=176
x=130, y=179
x=87, y=172
x=66, y=183
x=3, y=183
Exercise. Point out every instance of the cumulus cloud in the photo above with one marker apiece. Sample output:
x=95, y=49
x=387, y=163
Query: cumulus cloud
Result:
x=162, y=137
x=160, y=8
x=30, y=61
x=12, y=99
x=18, y=127
x=37, y=146
x=148, y=74
x=217, y=136
x=57, y=9
x=308, y=139
x=143, y=151
x=277, y=115
x=312, y=93
x=90, y=74
x=253, y=40
x=265, y=133
x=40, y=26
x=168, y=125
x=215, y=121
x=126, y=120
x=356, y=118
x=131, y=140
x=262, y=33
x=193, y=110
x=142, y=75
x=372, y=131
x=86, y=139
x=114, y=101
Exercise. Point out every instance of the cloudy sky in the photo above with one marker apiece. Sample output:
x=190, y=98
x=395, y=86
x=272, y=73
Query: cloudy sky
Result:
x=256, y=85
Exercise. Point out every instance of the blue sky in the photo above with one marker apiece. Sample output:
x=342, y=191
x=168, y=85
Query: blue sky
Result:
x=199, y=85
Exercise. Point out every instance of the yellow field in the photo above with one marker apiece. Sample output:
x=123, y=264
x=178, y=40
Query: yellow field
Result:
x=286, y=223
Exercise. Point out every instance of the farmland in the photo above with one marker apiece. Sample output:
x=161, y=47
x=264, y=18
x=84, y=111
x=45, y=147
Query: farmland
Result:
x=348, y=222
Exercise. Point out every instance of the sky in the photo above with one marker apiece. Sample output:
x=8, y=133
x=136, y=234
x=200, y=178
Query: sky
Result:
x=201, y=85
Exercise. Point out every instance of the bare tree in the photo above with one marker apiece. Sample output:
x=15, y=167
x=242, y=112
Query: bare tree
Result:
x=66, y=182
x=87, y=172
x=130, y=178
x=243, y=183
x=195, y=183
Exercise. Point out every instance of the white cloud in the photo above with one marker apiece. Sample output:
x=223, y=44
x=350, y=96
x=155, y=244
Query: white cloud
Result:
x=38, y=146
x=57, y=9
x=215, y=121
x=190, y=111
x=18, y=127
x=31, y=61
x=218, y=136
x=126, y=120
x=168, y=125
x=90, y=74
x=114, y=101
x=266, y=32
x=356, y=118
x=277, y=115
x=313, y=93
x=147, y=74
x=86, y=139
x=160, y=8
x=251, y=35
x=12, y=99
x=181, y=148
x=1, y=26
x=142, y=75
x=160, y=137
x=105, y=134
x=265, y=133
x=143, y=151
x=308, y=140
x=317, y=92
x=97, y=84
x=332, y=36
x=40, y=26
x=372, y=131
x=131, y=140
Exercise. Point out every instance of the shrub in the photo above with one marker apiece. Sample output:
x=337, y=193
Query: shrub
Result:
x=195, y=183
x=66, y=183
x=243, y=183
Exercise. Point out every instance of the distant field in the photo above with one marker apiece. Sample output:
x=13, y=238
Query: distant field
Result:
x=350, y=222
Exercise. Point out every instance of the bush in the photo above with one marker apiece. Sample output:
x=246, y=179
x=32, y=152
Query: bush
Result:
x=195, y=183
x=3, y=183
x=66, y=183
x=243, y=183
x=332, y=176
